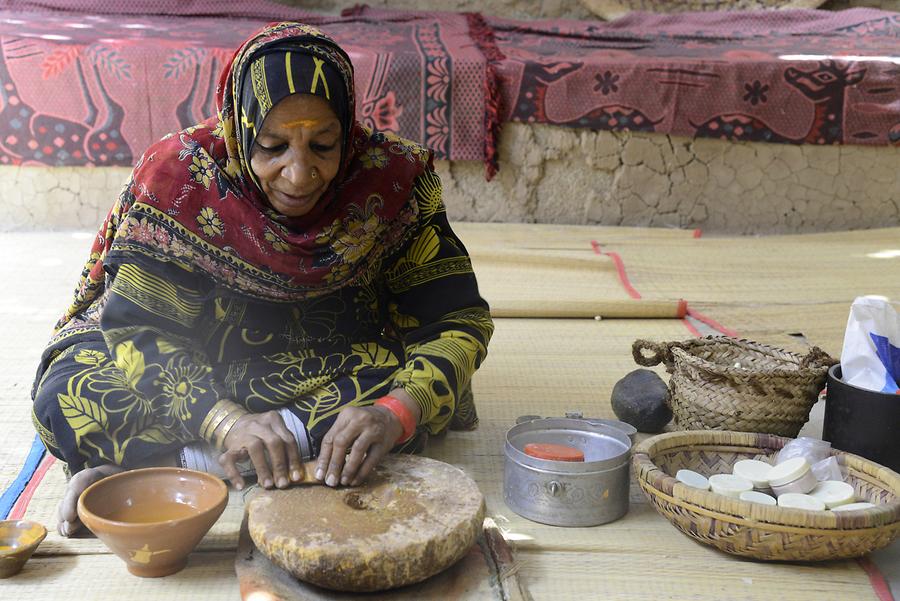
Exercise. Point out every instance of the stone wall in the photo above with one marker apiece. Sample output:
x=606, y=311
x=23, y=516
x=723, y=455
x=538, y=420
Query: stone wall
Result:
x=882, y=4
x=525, y=9
x=555, y=175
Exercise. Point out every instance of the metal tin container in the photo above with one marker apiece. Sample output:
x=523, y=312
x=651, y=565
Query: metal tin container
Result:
x=562, y=493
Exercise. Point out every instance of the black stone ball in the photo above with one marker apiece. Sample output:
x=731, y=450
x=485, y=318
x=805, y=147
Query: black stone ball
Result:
x=640, y=400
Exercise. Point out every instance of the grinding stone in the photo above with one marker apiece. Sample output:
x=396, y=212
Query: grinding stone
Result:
x=640, y=400
x=413, y=518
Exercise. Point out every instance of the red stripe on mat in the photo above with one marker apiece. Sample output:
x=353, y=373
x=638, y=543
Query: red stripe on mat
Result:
x=620, y=268
x=690, y=327
x=712, y=323
x=876, y=579
x=18, y=510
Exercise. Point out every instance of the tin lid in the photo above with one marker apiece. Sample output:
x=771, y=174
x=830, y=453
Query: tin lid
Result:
x=788, y=471
x=604, y=447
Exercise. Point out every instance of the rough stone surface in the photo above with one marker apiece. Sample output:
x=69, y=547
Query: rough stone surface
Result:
x=524, y=9
x=413, y=518
x=558, y=175
x=882, y=4
x=640, y=400
x=513, y=9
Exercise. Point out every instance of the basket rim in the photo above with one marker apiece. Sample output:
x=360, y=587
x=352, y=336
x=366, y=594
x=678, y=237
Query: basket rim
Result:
x=652, y=478
x=731, y=370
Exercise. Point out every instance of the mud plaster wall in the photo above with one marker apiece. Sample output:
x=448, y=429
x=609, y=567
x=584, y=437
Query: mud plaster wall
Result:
x=526, y=9
x=555, y=175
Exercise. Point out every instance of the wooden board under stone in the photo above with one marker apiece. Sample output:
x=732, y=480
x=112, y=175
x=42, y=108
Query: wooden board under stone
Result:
x=413, y=518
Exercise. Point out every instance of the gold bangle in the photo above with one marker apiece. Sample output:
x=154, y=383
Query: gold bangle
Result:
x=220, y=417
x=226, y=427
x=215, y=416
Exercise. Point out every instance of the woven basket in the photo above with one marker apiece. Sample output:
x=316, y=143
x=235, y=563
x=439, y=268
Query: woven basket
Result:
x=722, y=383
x=761, y=531
x=613, y=9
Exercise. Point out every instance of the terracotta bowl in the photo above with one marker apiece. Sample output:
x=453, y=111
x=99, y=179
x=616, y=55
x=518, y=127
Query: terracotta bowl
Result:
x=18, y=540
x=153, y=518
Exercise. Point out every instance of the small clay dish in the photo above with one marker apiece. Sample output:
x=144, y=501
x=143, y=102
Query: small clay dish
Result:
x=153, y=518
x=18, y=540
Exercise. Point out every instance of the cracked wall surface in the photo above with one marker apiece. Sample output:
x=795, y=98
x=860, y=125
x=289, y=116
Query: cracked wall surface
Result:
x=524, y=9
x=555, y=175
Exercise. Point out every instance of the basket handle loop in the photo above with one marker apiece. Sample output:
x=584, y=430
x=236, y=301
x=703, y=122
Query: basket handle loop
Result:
x=659, y=353
x=817, y=358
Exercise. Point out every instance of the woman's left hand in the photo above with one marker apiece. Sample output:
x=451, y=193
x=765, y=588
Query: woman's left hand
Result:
x=368, y=433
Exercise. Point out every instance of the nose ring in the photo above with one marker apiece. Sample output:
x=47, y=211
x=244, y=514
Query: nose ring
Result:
x=313, y=173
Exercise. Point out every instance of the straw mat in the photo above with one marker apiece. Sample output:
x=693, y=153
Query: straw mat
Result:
x=535, y=366
x=208, y=576
x=37, y=291
x=793, y=327
x=799, y=269
x=513, y=236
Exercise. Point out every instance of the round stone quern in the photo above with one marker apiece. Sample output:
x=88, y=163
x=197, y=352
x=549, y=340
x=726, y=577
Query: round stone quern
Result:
x=413, y=518
x=640, y=400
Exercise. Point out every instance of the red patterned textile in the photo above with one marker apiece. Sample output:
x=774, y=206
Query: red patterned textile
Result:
x=82, y=89
x=802, y=76
x=94, y=89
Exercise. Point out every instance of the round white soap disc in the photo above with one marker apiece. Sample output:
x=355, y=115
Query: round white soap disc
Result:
x=853, y=506
x=692, y=479
x=788, y=471
x=834, y=493
x=753, y=470
x=729, y=485
x=797, y=501
x=758, y=497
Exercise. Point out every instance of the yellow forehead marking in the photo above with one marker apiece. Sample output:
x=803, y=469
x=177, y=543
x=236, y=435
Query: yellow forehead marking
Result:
x=307, y=123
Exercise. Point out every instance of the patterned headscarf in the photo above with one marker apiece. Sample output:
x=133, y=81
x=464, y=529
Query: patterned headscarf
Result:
x=193, y=200
x=286, y=68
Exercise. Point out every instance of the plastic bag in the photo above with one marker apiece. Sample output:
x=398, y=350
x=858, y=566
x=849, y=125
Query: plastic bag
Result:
x=870, y=358
x=829, y=469
x=811, y=449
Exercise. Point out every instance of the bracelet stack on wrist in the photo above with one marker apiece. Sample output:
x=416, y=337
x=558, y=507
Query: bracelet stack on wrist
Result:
x=219, y=421
x=399, y=408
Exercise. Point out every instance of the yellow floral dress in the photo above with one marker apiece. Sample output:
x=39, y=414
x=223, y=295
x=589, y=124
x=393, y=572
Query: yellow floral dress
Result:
x=161, y=345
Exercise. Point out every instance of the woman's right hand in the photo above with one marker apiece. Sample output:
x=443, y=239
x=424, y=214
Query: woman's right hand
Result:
x=271, y=447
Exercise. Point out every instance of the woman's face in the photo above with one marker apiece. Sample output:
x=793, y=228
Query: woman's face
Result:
x=297, y=153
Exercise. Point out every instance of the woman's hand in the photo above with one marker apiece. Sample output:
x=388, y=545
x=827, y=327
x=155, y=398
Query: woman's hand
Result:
x=271, y=447
x=368, y=433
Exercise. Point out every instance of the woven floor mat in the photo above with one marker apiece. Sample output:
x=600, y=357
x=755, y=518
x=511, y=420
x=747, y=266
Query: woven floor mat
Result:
x=208, y=576
x=801, y=269
x=551, y=283
x=514, y=236
x=652, y=570
x=791, y=327
x=535, y=366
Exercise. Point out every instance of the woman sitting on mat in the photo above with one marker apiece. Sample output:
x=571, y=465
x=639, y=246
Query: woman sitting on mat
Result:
x=278, y=282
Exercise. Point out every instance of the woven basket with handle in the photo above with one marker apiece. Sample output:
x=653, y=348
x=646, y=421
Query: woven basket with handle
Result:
x=761, y=531
x=722, y=383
